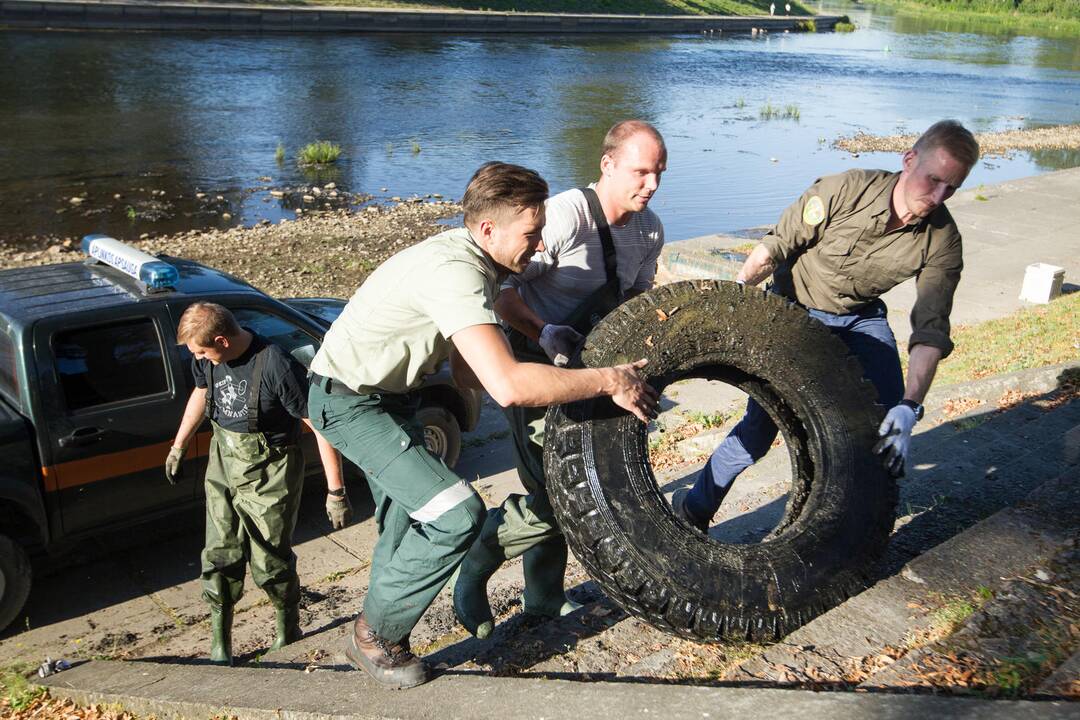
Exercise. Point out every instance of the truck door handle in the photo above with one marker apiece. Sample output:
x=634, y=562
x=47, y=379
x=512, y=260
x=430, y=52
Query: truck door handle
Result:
x=82, y=436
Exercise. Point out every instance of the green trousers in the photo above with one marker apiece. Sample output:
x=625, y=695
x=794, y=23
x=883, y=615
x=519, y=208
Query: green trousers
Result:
x=427, y=516
x=252, y=499
x=526, y=524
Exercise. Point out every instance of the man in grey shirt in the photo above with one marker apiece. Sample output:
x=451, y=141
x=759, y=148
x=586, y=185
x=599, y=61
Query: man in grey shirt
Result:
x=564, y=283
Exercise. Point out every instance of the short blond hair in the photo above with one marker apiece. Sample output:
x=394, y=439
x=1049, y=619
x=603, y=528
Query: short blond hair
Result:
x=499, y=188
x=204, y=321
x=620, y=132
x=956, y=139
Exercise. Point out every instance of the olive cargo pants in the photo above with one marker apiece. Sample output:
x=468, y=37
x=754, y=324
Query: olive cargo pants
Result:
x=526, y=524
x=427, y=516
x=252, y=499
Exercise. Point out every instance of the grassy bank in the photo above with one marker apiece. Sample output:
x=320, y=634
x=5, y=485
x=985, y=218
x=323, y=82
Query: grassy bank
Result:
x=1059, y=18
x=621, y=7
x=1033, y=337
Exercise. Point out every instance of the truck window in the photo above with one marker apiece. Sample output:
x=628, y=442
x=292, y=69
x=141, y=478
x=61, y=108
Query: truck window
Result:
x=109, y=363
x=9, y=369
x=279, y=331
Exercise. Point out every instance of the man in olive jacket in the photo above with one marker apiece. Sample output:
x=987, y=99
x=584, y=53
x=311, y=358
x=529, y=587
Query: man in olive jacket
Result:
x=849, y=239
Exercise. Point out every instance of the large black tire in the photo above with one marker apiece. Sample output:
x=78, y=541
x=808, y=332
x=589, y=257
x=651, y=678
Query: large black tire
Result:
x=841, y=503
x=442, y=433
x=15, y=578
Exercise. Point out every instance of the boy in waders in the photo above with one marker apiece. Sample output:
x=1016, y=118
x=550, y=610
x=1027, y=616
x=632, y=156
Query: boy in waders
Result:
x=255, y=395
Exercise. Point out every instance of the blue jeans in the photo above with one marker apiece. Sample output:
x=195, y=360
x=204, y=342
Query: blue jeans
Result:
x=867, y=335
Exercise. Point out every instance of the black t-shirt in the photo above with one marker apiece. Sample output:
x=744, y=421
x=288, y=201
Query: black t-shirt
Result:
x=282, y=399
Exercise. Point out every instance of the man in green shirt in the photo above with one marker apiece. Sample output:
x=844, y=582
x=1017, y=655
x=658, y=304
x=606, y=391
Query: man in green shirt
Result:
x=846, y=241
x=429, y=302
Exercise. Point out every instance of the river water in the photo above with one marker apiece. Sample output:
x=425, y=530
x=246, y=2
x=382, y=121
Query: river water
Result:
x=157, y=117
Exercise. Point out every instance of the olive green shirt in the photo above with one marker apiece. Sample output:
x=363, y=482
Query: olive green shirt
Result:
x=396, y=328
x=833, y=253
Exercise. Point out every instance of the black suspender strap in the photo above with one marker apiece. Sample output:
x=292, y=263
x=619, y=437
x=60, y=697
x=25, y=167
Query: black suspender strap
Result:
x=605, y=233
x=209, y=389
x=254, y=388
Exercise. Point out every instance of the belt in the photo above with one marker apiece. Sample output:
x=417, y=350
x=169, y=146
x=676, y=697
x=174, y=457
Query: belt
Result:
x=331, y=386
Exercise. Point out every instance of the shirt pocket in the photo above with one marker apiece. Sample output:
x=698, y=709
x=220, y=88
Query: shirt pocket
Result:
x=878, y=273
x=839, y=241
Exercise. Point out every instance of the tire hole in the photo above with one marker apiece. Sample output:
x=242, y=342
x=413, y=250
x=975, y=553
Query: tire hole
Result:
x=697, y=413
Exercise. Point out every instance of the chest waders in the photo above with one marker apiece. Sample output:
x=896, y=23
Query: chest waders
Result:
x=525, y=524
x=252, y=499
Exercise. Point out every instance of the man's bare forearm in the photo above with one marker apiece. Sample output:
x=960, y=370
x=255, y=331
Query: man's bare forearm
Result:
x=758, y=266
x=331, y=459
x=922, y=366
x=510, y=307
x=193, y=416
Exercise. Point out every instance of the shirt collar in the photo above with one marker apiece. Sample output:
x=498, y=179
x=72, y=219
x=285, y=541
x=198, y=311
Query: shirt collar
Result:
x=490, y=264
x=883, y=202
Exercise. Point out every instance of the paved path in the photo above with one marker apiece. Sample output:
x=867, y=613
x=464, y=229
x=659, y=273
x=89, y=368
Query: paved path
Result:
x=137, y=15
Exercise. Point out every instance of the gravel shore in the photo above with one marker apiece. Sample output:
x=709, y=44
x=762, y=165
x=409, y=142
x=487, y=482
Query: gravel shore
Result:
x=997, y=144
x=320, y=254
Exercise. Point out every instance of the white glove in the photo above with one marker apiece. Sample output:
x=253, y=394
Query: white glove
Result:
x=560, y=342
x=895, y=442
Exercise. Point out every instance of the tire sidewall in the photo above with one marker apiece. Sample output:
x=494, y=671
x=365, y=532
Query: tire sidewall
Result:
x=650, y=561
x=17, y=578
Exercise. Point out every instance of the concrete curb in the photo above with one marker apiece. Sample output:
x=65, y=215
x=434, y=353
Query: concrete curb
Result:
x=150, y=16
x=201, y=691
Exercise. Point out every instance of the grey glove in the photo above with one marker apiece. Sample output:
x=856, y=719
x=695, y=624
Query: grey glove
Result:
x=560, y=342
x=338, y=510
x=173, y=462
x=895, y=442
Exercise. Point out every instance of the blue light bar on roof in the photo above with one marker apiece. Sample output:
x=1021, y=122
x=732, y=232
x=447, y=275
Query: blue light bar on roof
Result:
x=144, y=267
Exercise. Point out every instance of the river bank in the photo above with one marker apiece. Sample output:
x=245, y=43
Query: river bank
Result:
x=244, y=17
x=323, y=253
x=601, y=7
x=994, y=17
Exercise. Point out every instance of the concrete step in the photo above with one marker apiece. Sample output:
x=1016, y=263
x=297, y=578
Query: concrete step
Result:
x=1010, y=641
x=850, y=643
x=202, y=691
x=1064, y=682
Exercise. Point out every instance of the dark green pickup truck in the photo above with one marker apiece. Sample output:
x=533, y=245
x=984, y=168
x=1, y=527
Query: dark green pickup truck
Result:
x=92, y=388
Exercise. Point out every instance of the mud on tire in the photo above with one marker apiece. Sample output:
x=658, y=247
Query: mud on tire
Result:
x=841, y=503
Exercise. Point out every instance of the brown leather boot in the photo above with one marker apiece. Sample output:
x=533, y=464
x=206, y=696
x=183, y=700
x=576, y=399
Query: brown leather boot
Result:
x=391, y=665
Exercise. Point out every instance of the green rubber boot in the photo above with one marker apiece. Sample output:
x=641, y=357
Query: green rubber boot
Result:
x=470, y=588
x=221, y=617
x=545, y=568
x=288, y=626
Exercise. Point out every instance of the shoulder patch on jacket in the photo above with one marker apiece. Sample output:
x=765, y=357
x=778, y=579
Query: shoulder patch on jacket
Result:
x=813, y=211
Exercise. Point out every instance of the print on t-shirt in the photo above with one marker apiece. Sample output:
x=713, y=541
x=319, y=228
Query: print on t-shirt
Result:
x=232, y=397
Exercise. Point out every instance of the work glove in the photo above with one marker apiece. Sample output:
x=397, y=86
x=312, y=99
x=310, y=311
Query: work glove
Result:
x=560, y=342
x=895, y=442
x=338, y=511
x=173, y=462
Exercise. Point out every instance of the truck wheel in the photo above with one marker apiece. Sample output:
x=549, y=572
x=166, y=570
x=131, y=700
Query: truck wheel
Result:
x=841, y=502
x=442, y=434
x=15, y=578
